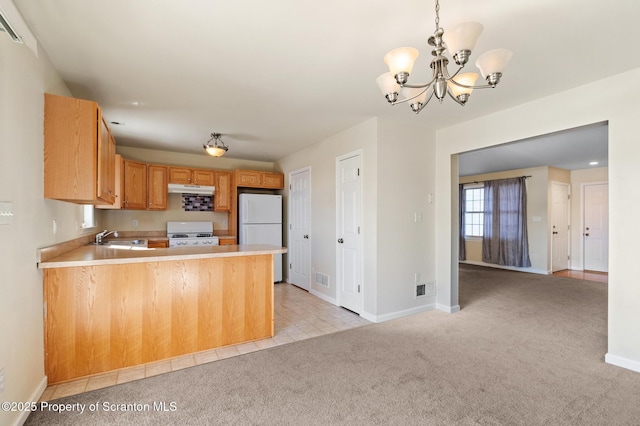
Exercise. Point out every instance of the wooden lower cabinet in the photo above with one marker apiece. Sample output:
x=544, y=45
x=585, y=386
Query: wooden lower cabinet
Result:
x=157, y=243
x=227, y=241
x=106, y=317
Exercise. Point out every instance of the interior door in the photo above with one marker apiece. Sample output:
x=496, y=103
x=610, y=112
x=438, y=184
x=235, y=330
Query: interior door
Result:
x=300, y=228
x=596, y=227
x=559, y=226
x=348, y=227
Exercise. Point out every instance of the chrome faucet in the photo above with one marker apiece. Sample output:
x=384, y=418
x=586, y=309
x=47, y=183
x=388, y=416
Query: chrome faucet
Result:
x=105, y=233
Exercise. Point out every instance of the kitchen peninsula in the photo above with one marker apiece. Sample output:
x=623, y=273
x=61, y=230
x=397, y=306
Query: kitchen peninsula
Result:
x=109, y=308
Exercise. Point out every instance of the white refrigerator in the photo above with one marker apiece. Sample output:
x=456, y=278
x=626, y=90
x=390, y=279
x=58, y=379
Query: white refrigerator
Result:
x=260, y=219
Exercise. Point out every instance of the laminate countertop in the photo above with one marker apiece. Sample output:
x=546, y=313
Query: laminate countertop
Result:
x=92, y=255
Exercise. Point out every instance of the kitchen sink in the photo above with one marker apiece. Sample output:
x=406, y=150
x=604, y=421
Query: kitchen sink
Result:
x=124, y=244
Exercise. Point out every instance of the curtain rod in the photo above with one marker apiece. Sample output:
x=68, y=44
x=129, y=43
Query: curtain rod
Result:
x=488, y=180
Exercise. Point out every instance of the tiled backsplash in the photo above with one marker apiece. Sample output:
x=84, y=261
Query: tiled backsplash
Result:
x=197, y=203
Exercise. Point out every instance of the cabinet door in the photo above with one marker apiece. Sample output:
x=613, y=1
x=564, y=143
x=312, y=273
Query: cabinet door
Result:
x=203, y=177
x=71, y=131
x=272, y=180
x=226, y=241
x=157, y=244
x=180, y=175
x=135, y=185
x=156, y=187
x=106, y=163
x=249, y=178
x=119, y=186
x=222, y=197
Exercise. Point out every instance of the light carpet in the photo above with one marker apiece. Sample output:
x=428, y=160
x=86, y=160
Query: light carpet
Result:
x=524, y=350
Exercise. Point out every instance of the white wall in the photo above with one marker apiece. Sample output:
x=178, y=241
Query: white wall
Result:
x=395, y=187
x=24, y=78
x=578, y=179
x=609, y=100
x=406, y=177
x=322, y=159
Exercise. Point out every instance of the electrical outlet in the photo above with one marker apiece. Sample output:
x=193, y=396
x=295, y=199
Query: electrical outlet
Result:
x=1, y=380
x=55, y=227
x=134, y=222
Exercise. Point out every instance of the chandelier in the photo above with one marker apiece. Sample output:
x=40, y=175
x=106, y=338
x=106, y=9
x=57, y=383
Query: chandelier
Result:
x=459, y=41
x=218, y=148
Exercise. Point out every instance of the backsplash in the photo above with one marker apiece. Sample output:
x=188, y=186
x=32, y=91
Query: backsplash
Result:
x=156, y=220
x=197, y=203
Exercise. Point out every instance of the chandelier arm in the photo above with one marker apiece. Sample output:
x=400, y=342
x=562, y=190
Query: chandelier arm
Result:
x=454, y=98
x=413, y=97
x=451, y=79
x=484, y=86
x=425, y=103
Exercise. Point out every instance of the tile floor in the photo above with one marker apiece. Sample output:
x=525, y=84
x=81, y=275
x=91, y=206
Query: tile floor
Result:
x=298, y=316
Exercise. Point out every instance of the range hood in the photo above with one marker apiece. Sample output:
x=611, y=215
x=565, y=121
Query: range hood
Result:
x=176, y=188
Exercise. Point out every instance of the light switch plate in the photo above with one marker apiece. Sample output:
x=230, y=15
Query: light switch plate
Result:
x=6, y=213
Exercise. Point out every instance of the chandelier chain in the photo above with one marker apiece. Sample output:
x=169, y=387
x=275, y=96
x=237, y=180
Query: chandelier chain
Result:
x=437, y=15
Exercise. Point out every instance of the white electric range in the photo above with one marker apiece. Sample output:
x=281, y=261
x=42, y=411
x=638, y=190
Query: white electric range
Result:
x=189, y=234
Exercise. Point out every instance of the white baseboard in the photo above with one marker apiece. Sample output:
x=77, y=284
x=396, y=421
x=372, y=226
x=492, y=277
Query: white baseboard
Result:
x=324, y=297
x=35, y=396
x=509, y=268
x=398, y=314
x=448, y=309
x=619, y=361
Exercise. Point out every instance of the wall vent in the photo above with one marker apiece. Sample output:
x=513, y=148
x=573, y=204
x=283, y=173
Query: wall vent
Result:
x=322, y=279
x=425, y=289
x=4, y=26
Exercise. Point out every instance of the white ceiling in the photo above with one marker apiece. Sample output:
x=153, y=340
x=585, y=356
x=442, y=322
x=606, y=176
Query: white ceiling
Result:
x=276, y=76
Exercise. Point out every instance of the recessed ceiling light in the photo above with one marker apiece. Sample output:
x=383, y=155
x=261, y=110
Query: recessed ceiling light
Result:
x=593, y=163
x=135, y=103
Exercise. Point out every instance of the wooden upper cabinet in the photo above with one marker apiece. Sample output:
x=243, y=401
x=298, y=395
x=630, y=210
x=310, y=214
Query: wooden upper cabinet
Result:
x=249, y=178
x=180, y=175
x=79, y=155
x=119, y=186
x=188, y=176
x=203, y=177
x=272, y=180
x=157, y=192
x=256, y=179
x=222, y=197
x=106, y=163
x=135, y=185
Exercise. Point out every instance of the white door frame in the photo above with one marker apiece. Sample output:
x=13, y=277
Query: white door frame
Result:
x=582, y=220
x=358, y=153
x=568, y=230
x=289, y=233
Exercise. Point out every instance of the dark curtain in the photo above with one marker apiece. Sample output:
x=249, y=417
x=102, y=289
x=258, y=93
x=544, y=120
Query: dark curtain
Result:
x=462, y=251
x=505, y=223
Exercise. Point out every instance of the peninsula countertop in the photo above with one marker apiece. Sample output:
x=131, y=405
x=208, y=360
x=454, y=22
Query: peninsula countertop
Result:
x=92, y=255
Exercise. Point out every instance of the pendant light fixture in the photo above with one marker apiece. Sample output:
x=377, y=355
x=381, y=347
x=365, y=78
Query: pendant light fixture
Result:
x=218, y=149
x=459, y=42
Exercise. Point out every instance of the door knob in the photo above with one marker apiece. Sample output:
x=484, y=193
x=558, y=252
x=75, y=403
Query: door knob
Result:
x=586, y=235
x=340, y=240
x=306, y=236
x=555, y=232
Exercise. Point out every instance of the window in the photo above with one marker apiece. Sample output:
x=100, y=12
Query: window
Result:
x=474, y=211
x=88, y=217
